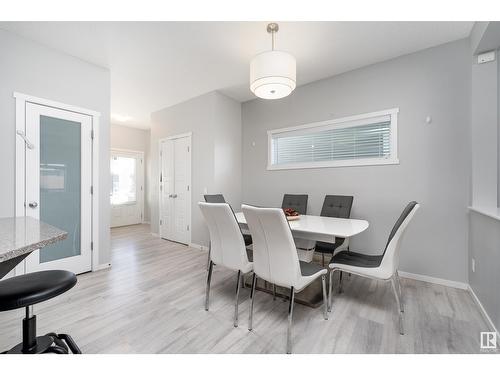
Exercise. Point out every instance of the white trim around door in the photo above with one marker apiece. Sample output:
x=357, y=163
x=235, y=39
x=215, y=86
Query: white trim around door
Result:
x=189, y=196
x=20, y=195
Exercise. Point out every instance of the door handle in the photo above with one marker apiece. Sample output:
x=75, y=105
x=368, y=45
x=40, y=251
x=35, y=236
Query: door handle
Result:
x=174, y=195
x=33, y=204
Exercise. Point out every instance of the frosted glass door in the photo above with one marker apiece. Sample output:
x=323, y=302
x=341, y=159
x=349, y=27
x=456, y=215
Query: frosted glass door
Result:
x=60, y=184
x=58, y=180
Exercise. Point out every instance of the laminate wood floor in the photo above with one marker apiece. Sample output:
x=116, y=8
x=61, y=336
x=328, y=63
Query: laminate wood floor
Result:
x=151, y=301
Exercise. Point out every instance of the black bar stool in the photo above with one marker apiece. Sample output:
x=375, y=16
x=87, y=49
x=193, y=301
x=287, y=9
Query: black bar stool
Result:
x=28, y=290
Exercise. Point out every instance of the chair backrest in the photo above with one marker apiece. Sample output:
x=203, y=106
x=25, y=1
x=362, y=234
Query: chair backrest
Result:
x=214, y=198
x=227, y=246
x=296, y=201
x=390, y=261
x=337, y=206
x=275, y=257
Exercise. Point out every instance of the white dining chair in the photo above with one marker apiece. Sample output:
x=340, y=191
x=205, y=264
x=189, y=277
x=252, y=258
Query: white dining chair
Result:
x=219, y=198
x=379, y=267
x=227, y=246
x=276, y=261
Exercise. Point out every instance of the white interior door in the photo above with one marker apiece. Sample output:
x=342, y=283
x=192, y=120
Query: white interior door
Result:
x=58, y=185
x=127, y=192
x=175, y=189
x=167, y=188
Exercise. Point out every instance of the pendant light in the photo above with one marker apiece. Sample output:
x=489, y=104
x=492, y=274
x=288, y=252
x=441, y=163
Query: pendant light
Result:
x=273, y=73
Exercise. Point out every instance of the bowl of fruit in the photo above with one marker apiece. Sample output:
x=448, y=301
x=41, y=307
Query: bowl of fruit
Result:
x=291, y=214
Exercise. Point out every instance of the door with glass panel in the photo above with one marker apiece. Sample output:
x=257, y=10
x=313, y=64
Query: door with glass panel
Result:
x=127, y=191
x=58, y=185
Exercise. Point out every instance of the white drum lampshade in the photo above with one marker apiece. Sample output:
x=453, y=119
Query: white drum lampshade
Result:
x=273, y=74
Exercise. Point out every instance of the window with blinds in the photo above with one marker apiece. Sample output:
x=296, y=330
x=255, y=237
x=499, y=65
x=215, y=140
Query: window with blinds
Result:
x=367, y=139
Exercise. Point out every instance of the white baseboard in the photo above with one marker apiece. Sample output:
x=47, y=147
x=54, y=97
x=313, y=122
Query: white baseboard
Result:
x=434, y=280
x=199, y=247
x=483, y=311
x=458, y=285
x=101, y=267
x=146, y=222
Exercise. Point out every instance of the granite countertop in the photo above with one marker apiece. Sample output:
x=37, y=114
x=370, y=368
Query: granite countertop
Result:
x=22, y=235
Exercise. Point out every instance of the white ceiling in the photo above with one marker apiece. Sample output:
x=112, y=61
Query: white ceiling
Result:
x=158, y=64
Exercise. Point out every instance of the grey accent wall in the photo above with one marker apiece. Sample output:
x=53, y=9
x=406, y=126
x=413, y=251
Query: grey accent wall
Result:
x=434, y=158
x=484, y=230
x=484, y=235
x=215, y=123
x=33, y=69
x=484, y=135
x=123, y=137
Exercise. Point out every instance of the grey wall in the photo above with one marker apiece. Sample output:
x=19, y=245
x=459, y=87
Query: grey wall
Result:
x=123, y=137
x=484, y=137
x=484, y=231
x=34, y=69
x=433, y=158
x=215, y=122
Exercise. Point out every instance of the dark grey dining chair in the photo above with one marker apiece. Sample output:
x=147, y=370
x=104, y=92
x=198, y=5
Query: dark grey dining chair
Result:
x=214, y=198
x=335, y=206
x=219, y=198
x=298, y=202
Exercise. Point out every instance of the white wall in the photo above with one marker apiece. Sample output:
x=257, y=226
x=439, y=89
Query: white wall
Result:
x=126, y=138
x=434, y=158
x=215, y=122
x=34, y=69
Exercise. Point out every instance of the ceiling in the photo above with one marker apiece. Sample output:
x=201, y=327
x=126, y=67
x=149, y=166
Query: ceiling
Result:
x=154, y=65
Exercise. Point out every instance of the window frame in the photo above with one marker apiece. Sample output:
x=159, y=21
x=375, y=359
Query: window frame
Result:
x=338, y=123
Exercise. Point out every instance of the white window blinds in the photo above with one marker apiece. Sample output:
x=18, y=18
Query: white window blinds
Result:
x=358, y=140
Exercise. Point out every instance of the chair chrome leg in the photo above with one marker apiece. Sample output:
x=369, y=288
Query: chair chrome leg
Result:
x=325, y=300
x=252, y=298
x=394, y=288
x=290, y=317
x=238, y=284
x=209, y=250
x=242, y=281
x=340, y=282
x=401, y=302
x=330, y=292
x=209, y=279
x=348, y=249
x=274, y=292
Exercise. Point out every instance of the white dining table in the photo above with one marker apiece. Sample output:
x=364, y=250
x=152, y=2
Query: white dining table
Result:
x=319, y=228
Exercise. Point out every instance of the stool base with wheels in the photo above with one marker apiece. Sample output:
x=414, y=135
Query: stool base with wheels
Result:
x=28, y=290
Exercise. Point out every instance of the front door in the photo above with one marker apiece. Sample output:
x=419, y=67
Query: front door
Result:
x=58, y=185
x=127, y=171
